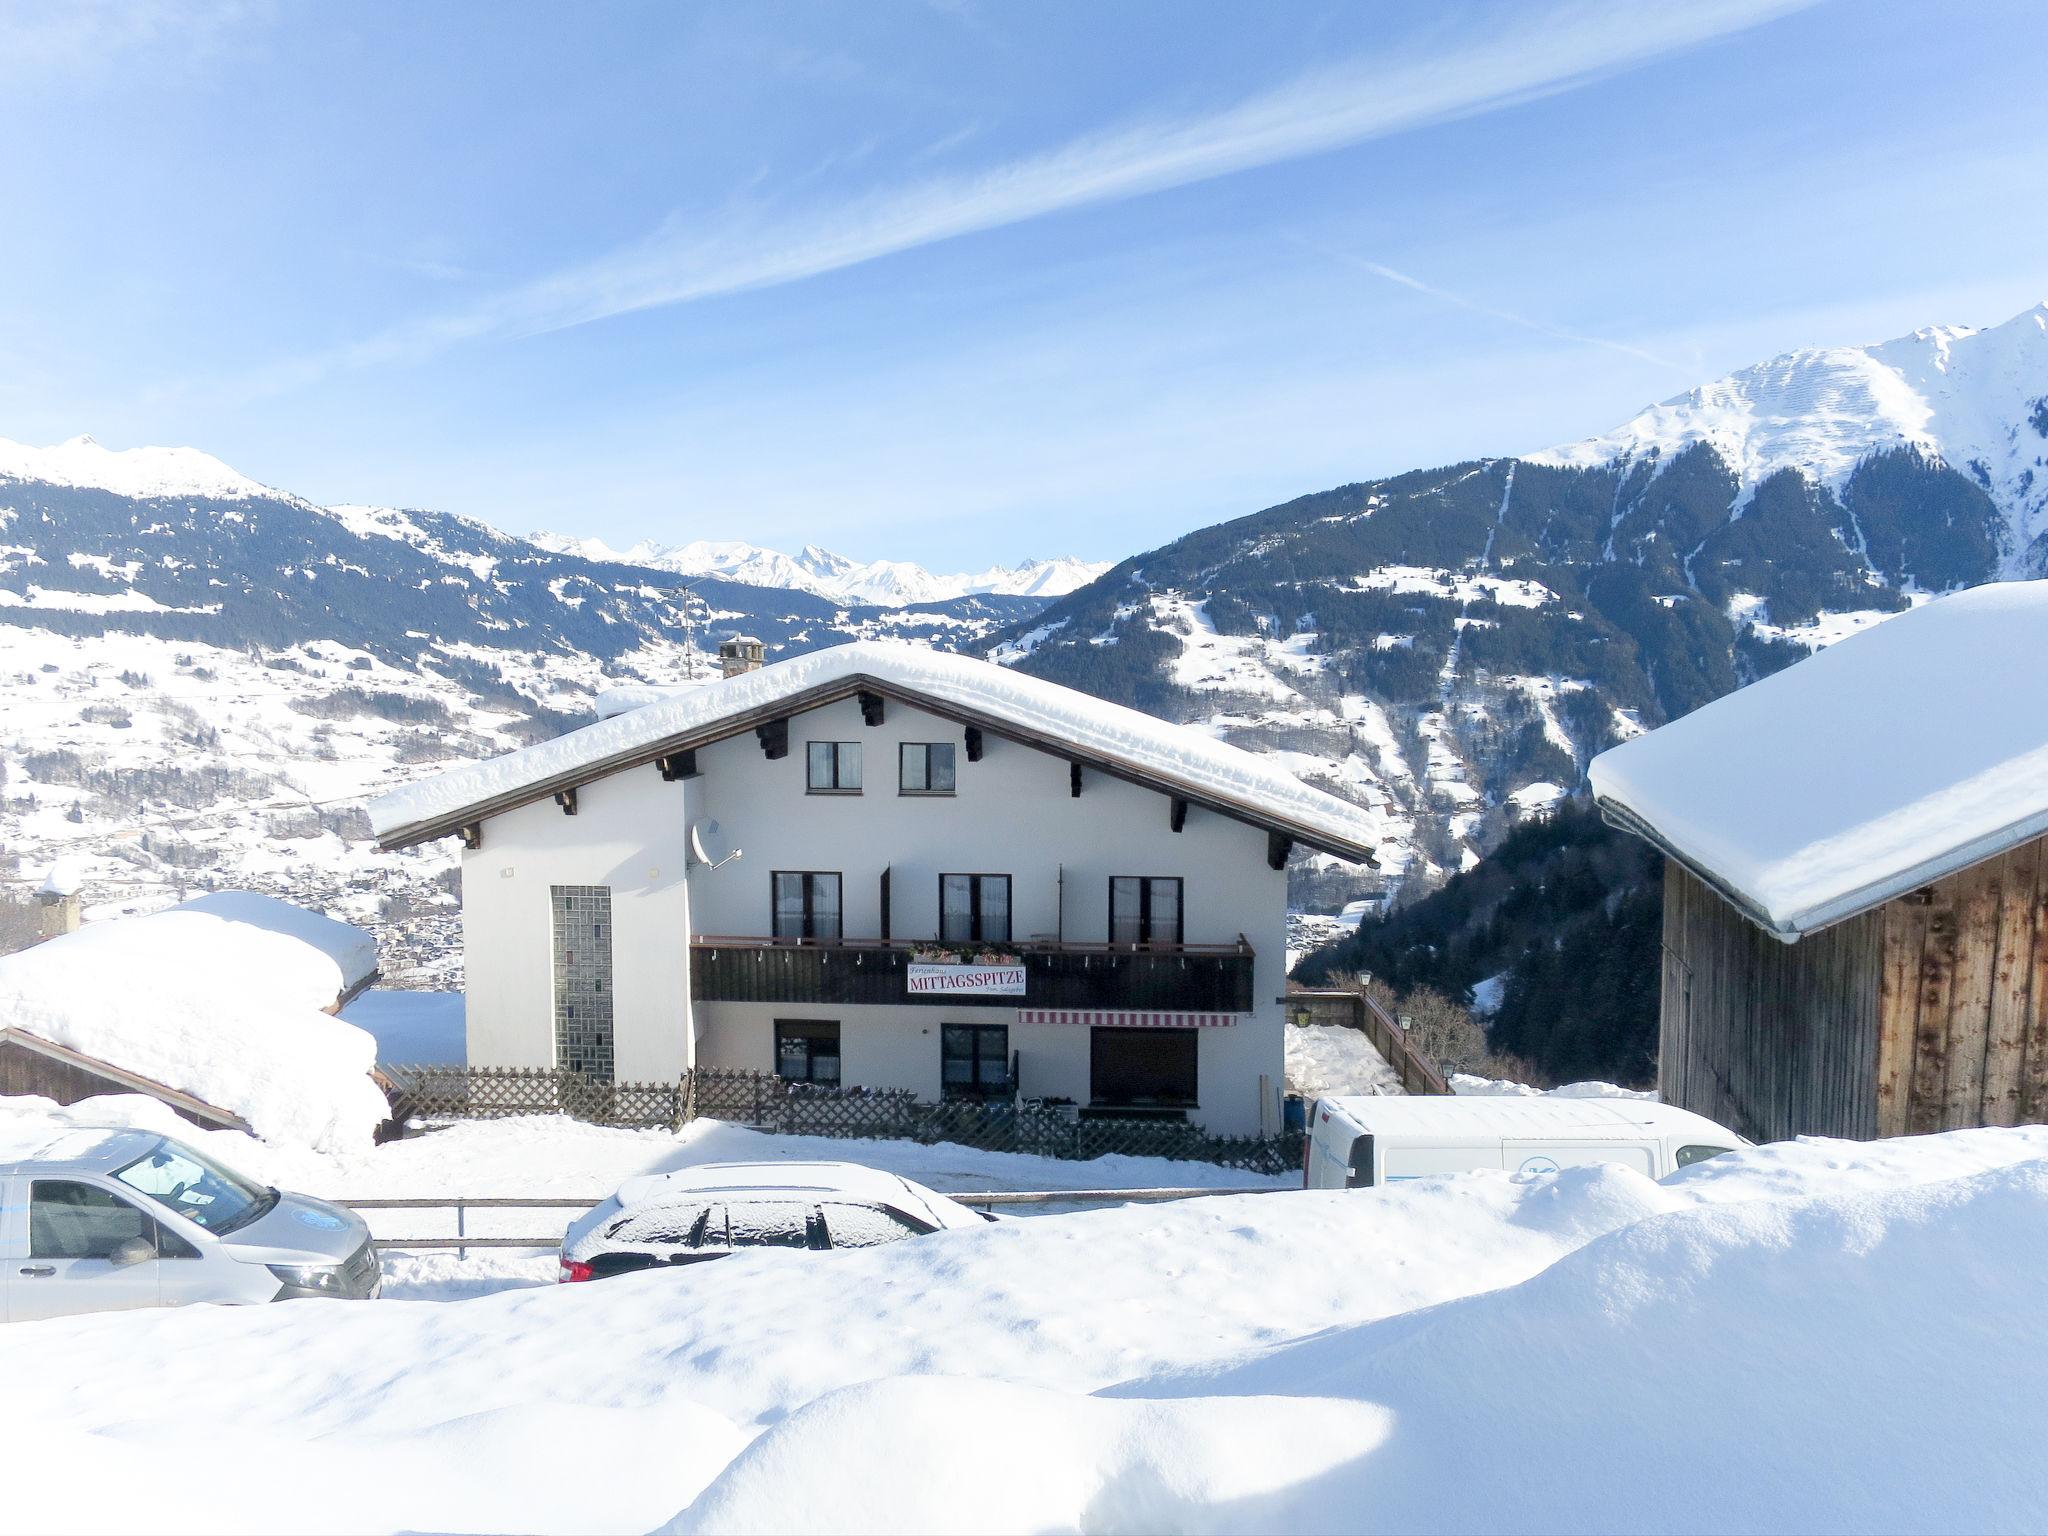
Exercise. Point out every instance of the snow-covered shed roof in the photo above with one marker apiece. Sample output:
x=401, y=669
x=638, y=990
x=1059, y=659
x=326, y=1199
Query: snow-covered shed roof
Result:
x=1173, y=759
x=222, y=998
x=1897, y=756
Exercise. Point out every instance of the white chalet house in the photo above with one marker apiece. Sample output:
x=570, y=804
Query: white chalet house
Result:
x=887, y=866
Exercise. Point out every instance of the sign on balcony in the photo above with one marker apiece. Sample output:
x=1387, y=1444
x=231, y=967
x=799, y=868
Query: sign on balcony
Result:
x=986, y=980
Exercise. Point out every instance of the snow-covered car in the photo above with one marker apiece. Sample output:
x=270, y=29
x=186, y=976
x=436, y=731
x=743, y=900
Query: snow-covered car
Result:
x=716, y=1209
x=105, y=1220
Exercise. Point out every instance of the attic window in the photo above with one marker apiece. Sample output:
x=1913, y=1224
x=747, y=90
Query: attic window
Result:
x=925, y=768
x=833, y=767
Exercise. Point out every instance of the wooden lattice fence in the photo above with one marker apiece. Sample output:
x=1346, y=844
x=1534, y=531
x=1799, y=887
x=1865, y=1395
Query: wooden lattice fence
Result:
x=770, y=1103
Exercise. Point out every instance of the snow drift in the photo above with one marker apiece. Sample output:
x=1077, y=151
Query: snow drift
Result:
x=1813, y=1335
x=221, y=997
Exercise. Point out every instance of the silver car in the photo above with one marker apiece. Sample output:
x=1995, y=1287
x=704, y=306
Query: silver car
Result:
x=105, y=1220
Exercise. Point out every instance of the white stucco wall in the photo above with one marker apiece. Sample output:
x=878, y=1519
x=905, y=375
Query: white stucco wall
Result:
x=628, y=833
x=1012, y=814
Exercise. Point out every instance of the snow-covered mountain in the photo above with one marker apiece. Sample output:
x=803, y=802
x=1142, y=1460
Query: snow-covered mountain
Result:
x=201, y=678
x=81, y=463
x=879, y=583
x=1970, y=398
x=1455, y=644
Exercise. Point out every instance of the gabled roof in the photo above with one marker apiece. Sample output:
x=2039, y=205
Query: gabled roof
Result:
x=1175, y=760
x=1891, y=759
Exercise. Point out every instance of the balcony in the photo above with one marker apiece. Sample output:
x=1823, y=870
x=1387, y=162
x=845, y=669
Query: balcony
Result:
x=1193, y=978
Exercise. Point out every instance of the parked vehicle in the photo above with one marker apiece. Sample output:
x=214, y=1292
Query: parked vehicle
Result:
x=1358, y=1142
x=716, y=1209
x=104, y=1220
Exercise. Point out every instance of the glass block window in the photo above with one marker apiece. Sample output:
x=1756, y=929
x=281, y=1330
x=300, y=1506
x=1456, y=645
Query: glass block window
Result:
x=583, y=979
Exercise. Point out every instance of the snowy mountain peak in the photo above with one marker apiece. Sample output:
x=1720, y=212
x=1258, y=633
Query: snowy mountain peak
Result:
x=1975, y=399
x=82, y=463
x=877, y=583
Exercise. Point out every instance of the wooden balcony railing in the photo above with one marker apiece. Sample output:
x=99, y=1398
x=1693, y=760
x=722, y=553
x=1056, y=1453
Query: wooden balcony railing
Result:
x=1195, y=978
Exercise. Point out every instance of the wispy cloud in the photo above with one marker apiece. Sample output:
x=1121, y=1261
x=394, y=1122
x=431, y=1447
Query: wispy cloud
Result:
x=1526, y=54
x=1541, y=327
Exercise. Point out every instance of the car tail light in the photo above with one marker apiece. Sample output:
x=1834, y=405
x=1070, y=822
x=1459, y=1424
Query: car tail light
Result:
x=573, y=1269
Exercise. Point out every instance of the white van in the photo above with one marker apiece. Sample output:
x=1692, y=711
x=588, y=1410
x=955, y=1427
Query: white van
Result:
x=106, y=1220
x=1360, y=1142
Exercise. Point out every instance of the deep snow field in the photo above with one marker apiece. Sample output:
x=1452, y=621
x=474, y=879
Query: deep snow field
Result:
x=1811, y=1335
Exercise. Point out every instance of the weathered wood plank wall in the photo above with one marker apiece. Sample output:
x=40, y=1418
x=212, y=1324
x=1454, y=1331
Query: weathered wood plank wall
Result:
x=1770, y=1039
x=1964, y=1033
x=23, y=1071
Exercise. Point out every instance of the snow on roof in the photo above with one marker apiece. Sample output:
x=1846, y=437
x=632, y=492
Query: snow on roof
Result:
x=65, y=878
x=1890, y=759
x=1259, y=789
x=353, y=951
x=220, y=998
x=849, y=1179
x=145, y=472
x=1485, y=1115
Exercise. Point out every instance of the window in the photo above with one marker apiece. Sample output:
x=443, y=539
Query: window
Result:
x=834, y=767
x=807, y=1051
x=583, y=979
x=925, y=768
x=806, y=905
x=1144, y=910
x=867, y=1226
x=974, y=909
x=673, y=1226
x=1687, y=1156
x=1142, y=1068
x=974, y=1061
x=773, y=1224
x=198, y=1189
x=81, y=1221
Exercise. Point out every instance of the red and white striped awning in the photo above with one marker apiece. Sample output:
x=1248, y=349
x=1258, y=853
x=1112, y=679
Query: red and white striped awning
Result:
x=1126, y=1018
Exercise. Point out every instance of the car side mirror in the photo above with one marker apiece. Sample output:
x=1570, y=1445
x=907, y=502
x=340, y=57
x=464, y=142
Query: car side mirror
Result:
x=137, y=1250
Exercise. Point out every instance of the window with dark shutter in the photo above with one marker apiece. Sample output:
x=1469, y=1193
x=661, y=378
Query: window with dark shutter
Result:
x=974, y=909
x=1145, y=909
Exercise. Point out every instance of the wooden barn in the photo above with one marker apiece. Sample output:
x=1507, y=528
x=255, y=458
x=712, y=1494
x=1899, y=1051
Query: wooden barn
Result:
x=1856, y=883
x=104, y=1053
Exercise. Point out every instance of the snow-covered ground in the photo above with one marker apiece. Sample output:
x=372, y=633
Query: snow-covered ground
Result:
x=1334, y=1058
x=1788, y=1338
x=1468, y=1083
x=553, y=1157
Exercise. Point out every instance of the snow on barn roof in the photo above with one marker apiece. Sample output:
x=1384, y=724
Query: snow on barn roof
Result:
x=1172, y=759
x=1893, y=758
x=221, y=998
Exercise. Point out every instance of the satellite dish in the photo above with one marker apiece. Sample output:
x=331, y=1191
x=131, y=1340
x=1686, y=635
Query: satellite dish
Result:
x=708, y=844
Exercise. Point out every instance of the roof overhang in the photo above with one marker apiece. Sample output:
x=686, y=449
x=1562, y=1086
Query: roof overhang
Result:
x=1791, y=928
x=177, y=1098
x=741, y=721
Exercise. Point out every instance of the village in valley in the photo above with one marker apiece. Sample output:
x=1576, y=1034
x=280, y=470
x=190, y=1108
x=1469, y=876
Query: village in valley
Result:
x=1504, y=996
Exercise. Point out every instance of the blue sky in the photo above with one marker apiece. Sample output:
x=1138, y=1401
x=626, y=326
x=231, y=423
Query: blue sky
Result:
x=956, y=282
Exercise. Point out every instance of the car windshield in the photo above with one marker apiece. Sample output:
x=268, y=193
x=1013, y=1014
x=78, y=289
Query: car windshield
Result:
x=197, y=1188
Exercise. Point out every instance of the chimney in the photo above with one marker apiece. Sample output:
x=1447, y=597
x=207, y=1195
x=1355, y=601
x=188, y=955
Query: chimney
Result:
x=57, y=913
x=742, y=653
x=57, y=902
